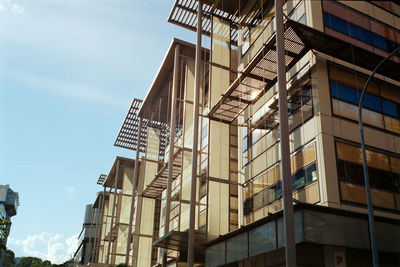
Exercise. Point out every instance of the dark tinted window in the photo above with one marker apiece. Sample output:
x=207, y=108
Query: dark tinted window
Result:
x=354, y=173
x=360, y=33
x=389, y=108
x=299, y=179
x=248, y=206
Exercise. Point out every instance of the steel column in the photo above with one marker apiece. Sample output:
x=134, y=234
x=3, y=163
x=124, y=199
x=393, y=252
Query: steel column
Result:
x=191, y=240
x=171, y=145
x=290, y=245
x=112, y=213
x=134, y=185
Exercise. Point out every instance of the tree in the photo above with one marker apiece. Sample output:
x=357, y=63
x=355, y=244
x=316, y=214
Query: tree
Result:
x=29, y=261
x=9, y=258
x=4, y=228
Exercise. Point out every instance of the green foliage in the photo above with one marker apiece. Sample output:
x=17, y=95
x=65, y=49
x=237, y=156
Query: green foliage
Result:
x=9, y=258
x=4, y=227
x=46, y=263
x=122, y=265
x=30, y=261
x=36, y=262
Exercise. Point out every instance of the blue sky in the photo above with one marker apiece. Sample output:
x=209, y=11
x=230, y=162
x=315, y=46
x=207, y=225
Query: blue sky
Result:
x=68, y=72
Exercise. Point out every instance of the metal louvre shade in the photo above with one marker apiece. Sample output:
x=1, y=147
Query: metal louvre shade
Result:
x=184, y=14
x=261, y=74
x=299, y=39
x=129, y=134
x=159, y=183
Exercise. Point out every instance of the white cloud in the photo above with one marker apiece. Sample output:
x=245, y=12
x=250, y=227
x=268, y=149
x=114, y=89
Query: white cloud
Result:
x=55, y=248
x=14, y=8
x=70, y=191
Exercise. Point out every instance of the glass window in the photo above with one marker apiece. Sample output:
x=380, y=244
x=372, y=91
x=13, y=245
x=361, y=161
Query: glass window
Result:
x=354, y=173
x=215, y=254
x=248, y=206
x=389, y=108
x=370, y=101
x=360, y=33
x=258, y=201
x=327, y=20
x=312, y=173
x=339, y=25
x=347, y=94
x=262, y=239
x=334, y=91
x=299, y=179
x=244, y=144
x=236, y=248
x=245, y=157
x=302, y=20
x=278, y=190
x=381, y=179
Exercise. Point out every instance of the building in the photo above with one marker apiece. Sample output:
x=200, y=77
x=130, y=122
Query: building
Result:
x=87, y=236
x=9, y=202
x=330, y=49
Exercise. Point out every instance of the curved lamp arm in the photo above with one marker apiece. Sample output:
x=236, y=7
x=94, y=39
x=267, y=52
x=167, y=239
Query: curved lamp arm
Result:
x=375, y=258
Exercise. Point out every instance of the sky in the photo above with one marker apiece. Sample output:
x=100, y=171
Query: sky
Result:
x=69, y=70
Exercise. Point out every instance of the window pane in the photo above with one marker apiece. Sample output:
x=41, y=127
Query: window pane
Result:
x=299, y=179
x=389, y=108
x=339, y=25
x=262, y=239
x=312, y=173
x=347, y=94
x=327, y=20
x=248, y=206
x=360, y=33
x=354, y=173
x=236, y=248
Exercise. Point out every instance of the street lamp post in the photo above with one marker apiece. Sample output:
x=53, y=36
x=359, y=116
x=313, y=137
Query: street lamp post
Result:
x=375, y=258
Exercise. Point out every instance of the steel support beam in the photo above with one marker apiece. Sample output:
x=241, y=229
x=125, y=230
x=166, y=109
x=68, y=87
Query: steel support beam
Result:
x=112, y=213
x=171, y=145
x=197, y=74
x=134, y=185
x=288, y=222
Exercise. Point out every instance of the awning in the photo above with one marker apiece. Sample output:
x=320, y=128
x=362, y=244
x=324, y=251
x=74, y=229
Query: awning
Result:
x=159, y=183
x=178, y=241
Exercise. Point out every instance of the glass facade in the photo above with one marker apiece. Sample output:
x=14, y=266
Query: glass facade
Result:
x=384, y=175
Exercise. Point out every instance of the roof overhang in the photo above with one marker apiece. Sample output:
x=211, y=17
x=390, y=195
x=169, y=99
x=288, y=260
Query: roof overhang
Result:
x=99, y=196
x=123, y=162
x=160, y=86
x=178, y=241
